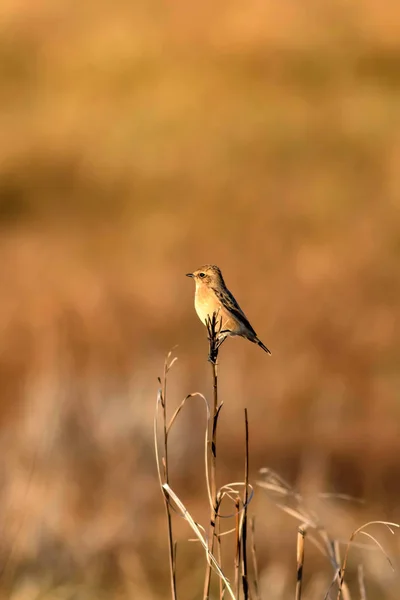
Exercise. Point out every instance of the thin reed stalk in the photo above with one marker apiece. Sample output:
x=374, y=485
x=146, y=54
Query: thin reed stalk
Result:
x=215, y=341
x=245, y=582
x=237, y=547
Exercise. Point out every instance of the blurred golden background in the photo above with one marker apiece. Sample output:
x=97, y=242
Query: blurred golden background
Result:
x=139, y=141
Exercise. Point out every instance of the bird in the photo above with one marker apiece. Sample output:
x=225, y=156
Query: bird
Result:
x=212, y=296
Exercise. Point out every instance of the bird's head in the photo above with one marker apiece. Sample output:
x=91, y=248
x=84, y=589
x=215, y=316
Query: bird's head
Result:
x=208, y=275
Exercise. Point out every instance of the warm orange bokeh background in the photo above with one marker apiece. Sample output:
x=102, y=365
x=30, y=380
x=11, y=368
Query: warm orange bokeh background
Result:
x=138, y=141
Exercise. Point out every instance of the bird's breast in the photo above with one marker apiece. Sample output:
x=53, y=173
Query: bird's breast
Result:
x=205, y=303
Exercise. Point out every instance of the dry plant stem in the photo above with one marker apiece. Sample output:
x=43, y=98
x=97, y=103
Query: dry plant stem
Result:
x=237, y=546
x=213, y=480
x=254, y=560
x=214, y=343
x=171, y=547
x=219, y=552
x=245, y=582
x=301, y=534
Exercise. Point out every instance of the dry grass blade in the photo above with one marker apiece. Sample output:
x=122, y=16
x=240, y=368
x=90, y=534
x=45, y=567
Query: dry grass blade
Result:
x=196, y=529
x=276, y=484
x=182, y=404
x=158, y=404
x=169, y=426
x=171, y=364
x=297, y=515
x=274, y=480
x=379, y=546
x=344, y=497
x=228, y=532
x=388, y=524
x=171, y=423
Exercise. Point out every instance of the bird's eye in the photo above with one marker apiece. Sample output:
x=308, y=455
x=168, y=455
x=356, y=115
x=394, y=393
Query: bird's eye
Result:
x=202, y=275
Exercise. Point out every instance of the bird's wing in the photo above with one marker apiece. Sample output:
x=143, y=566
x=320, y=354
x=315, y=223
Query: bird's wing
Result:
x=228, y=301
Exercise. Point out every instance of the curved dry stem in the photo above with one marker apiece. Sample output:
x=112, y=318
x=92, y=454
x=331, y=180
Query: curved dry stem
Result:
x=385, y=554
x=227, y=490
x=387, y=524
x=182, y=404
x=170, y=425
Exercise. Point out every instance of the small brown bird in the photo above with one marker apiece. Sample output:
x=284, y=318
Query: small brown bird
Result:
x=212, y=296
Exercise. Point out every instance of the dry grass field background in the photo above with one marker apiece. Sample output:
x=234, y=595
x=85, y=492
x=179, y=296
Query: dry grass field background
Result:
x=138, y=141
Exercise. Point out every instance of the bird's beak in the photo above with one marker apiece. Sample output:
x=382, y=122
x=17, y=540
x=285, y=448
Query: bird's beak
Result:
x=189, y=275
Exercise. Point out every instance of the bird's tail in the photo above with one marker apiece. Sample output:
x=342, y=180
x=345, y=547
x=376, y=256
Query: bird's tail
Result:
x=259, y=342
